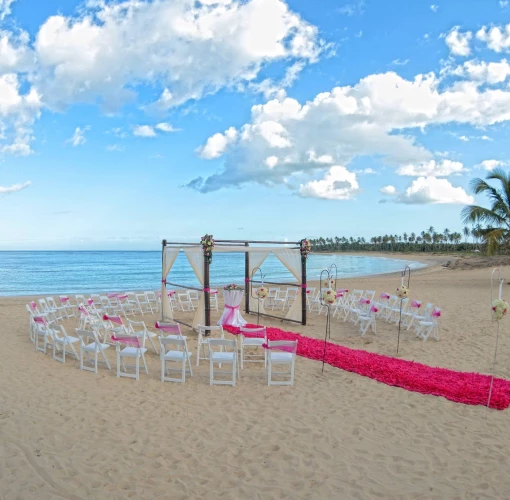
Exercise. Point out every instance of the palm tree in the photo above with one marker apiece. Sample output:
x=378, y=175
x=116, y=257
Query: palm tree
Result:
x=496, y=234
x=466, y=232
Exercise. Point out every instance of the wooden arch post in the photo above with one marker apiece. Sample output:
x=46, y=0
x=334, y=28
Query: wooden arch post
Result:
x=207, y=292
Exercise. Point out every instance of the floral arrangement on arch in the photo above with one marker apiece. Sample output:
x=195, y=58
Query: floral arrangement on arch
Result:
x=232, y=287
x=329, y=297
x=500, y=308
x=305, y=248
x=207, y=242
x=262, y=293
x=402, y=292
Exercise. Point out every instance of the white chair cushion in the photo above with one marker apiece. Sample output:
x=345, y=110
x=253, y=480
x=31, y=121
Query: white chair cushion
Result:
x=177, y=355
x=281, y=356
x=223, y=357
x=132, y=352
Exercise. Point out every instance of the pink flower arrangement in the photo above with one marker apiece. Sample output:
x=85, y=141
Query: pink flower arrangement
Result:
x=305, y=247
x=207, y=242
x=232, y=287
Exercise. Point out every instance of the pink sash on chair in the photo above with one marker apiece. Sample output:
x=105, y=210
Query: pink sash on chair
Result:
x=40, y=319
x=83, y=311
x=128, y=340
x=90, y=301
x=113, y=319
x=436, y=313
x=111, y=295
x=120, y=297
x=63, y=300
x=363, y=300
x=258, y=333
x=168, y=327
x=33, y=305
x=374, y=309
x=280, y=348
x=384, y=296
x=416, y=304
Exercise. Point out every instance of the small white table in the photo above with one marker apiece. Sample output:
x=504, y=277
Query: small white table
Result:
x=231, y=314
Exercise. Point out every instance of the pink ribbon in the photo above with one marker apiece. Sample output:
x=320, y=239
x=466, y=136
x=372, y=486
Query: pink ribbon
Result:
x=83, y=311
x=374, y=309
x=168, y=327
x=304, y=285
x=133, y=341
x=384, y=295
x=113, y=319
x=231, y=314
x=111, y=295
x=279, y=348
x=416, y=304
x=255, y=333
x=246, y=280
x=122, y=296
x=169, y=293
x=33, y=305
x=436, y=313
x=63, y=300
x=339, y=294
x=163, y=281
x=90, y=301
x=343, y=290
x=363, y=300
x=40, y=320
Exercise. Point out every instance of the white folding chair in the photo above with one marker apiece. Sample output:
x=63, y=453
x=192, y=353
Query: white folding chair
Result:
x=90, y=346
x=67, y=306
x=63, y=342
x=194, y=298
x=137, y=327
x=152, y=301
x=223, y=356
x=213, y=300
x=46, y=309
x=174, y=350
x=59, y=311
x=280, y=299
x=271, y=294
x=125, y=305
x=430, y=326
x=43, y=333
x=204, y=333
x=281, y=352
x=169, y=330
x=253, y=337
x=134, y=348
x=184, y=301
x=418, y=314
x=368, y=320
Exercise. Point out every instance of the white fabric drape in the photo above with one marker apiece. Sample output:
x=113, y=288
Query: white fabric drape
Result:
x=291, y=259
x=256, y=260
x=232, y=314
x=169, y=256
x=195, y=256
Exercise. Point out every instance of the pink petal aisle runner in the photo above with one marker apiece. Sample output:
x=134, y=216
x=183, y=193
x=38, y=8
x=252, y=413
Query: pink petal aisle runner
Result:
x=461, y=387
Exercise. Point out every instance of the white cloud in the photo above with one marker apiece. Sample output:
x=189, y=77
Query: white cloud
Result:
x=166, y=127
x=432, y=168
x=366, y=171
x=483, y=72
x=486, y=138
x=338, y=184
x=497, y=38
x=429, y=190
x=14, y=188
x=463, y=138
x=217, y=144
x=458, y=42
x=78, y=138
x=490, y=164
x=398, y=62
x=194, y=49
x=389, y=190
x=144, y=131
x=503, y=3
x=352, y=8
x=15, y=54
x=5, y=8
x=434, y=8
x=114, y=147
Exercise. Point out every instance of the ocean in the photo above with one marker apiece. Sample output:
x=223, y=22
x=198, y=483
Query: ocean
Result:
x=41, y=273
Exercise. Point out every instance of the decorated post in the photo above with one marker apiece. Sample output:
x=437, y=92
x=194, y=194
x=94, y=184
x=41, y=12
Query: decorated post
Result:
x=305, y=248
x=207, y=243
x=261, y=293
x=402, y=293
x=328, y=298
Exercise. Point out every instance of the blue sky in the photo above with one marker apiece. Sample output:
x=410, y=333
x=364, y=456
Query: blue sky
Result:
x=123, y=123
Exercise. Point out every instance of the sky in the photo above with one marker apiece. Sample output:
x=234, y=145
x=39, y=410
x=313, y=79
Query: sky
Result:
x=126, y=122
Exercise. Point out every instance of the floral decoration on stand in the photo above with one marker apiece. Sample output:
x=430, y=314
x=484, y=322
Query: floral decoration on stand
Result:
x=329, y=283
x=402, y=292
x=262, y=293
x=232, y=287
x=329, y=297
x=305, y=248
x=207, y=243
x=500, y=309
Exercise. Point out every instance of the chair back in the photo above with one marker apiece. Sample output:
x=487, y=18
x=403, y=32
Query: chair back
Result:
x=202, y=330
x=223, y=344
x=178, y=343
x=87, y=336
x=282, y=346
x=171, y=328
x=253, y=332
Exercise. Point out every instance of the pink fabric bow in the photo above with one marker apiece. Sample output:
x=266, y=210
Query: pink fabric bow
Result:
x=279, y=348
x=339, y=294
x=40, y=319
x=113, y=319
x=374, y=309
x=90, y=301
x=122, y=296
x=246, y=280
x=163, y=281
x=231, y=314
x=212, y=291
x=255, y=333
x=33, y=305
x=83, y=311
x=128, y=340
x=168, y=327
x=436, y=313
x=63, y=300
x=416, y=304
x=111, y=295
x=304, y=285
x=384, y=295
x=169, y=293
x=343, y=290
x=364, y=300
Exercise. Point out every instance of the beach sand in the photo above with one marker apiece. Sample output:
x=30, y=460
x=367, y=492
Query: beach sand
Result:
x=70, y=434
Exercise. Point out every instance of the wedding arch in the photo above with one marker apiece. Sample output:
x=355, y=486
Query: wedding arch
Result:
x=293, y=257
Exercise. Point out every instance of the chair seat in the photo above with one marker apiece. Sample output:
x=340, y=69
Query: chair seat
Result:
x=68, y=340
x=176, y=337
x=281, y=356
x=177, y=355
x=132, y=352
x=92, y=347
x=223, y=357
x=253, y=341
x=426, y=323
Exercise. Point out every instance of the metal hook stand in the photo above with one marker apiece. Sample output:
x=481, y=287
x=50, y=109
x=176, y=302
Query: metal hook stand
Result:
x=407, y=270
x=328, y=319
x=500, y=291
x=257, y=269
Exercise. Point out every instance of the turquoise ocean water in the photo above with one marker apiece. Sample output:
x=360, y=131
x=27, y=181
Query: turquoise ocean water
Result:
x=33, y=273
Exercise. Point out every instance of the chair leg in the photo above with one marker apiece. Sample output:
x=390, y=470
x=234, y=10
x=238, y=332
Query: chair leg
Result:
x=145, y=364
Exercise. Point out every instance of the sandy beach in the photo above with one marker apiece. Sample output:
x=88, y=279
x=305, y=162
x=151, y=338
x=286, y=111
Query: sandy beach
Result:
x=72, y=435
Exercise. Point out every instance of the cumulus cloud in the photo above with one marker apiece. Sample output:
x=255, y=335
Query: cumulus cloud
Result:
x=338, y=184
x=114, y=147
x=375, y=117
x=429, y=190
x=432, y=168
x=194, y=49
x=491, y=164
x=14, y=188
x=166, y=127
x=398, y=62
x=483, y=72
x=497, y=38
x=352, y=8
x=78, y=138
x=144, y=131
x=5, y=8
x=458, y=42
